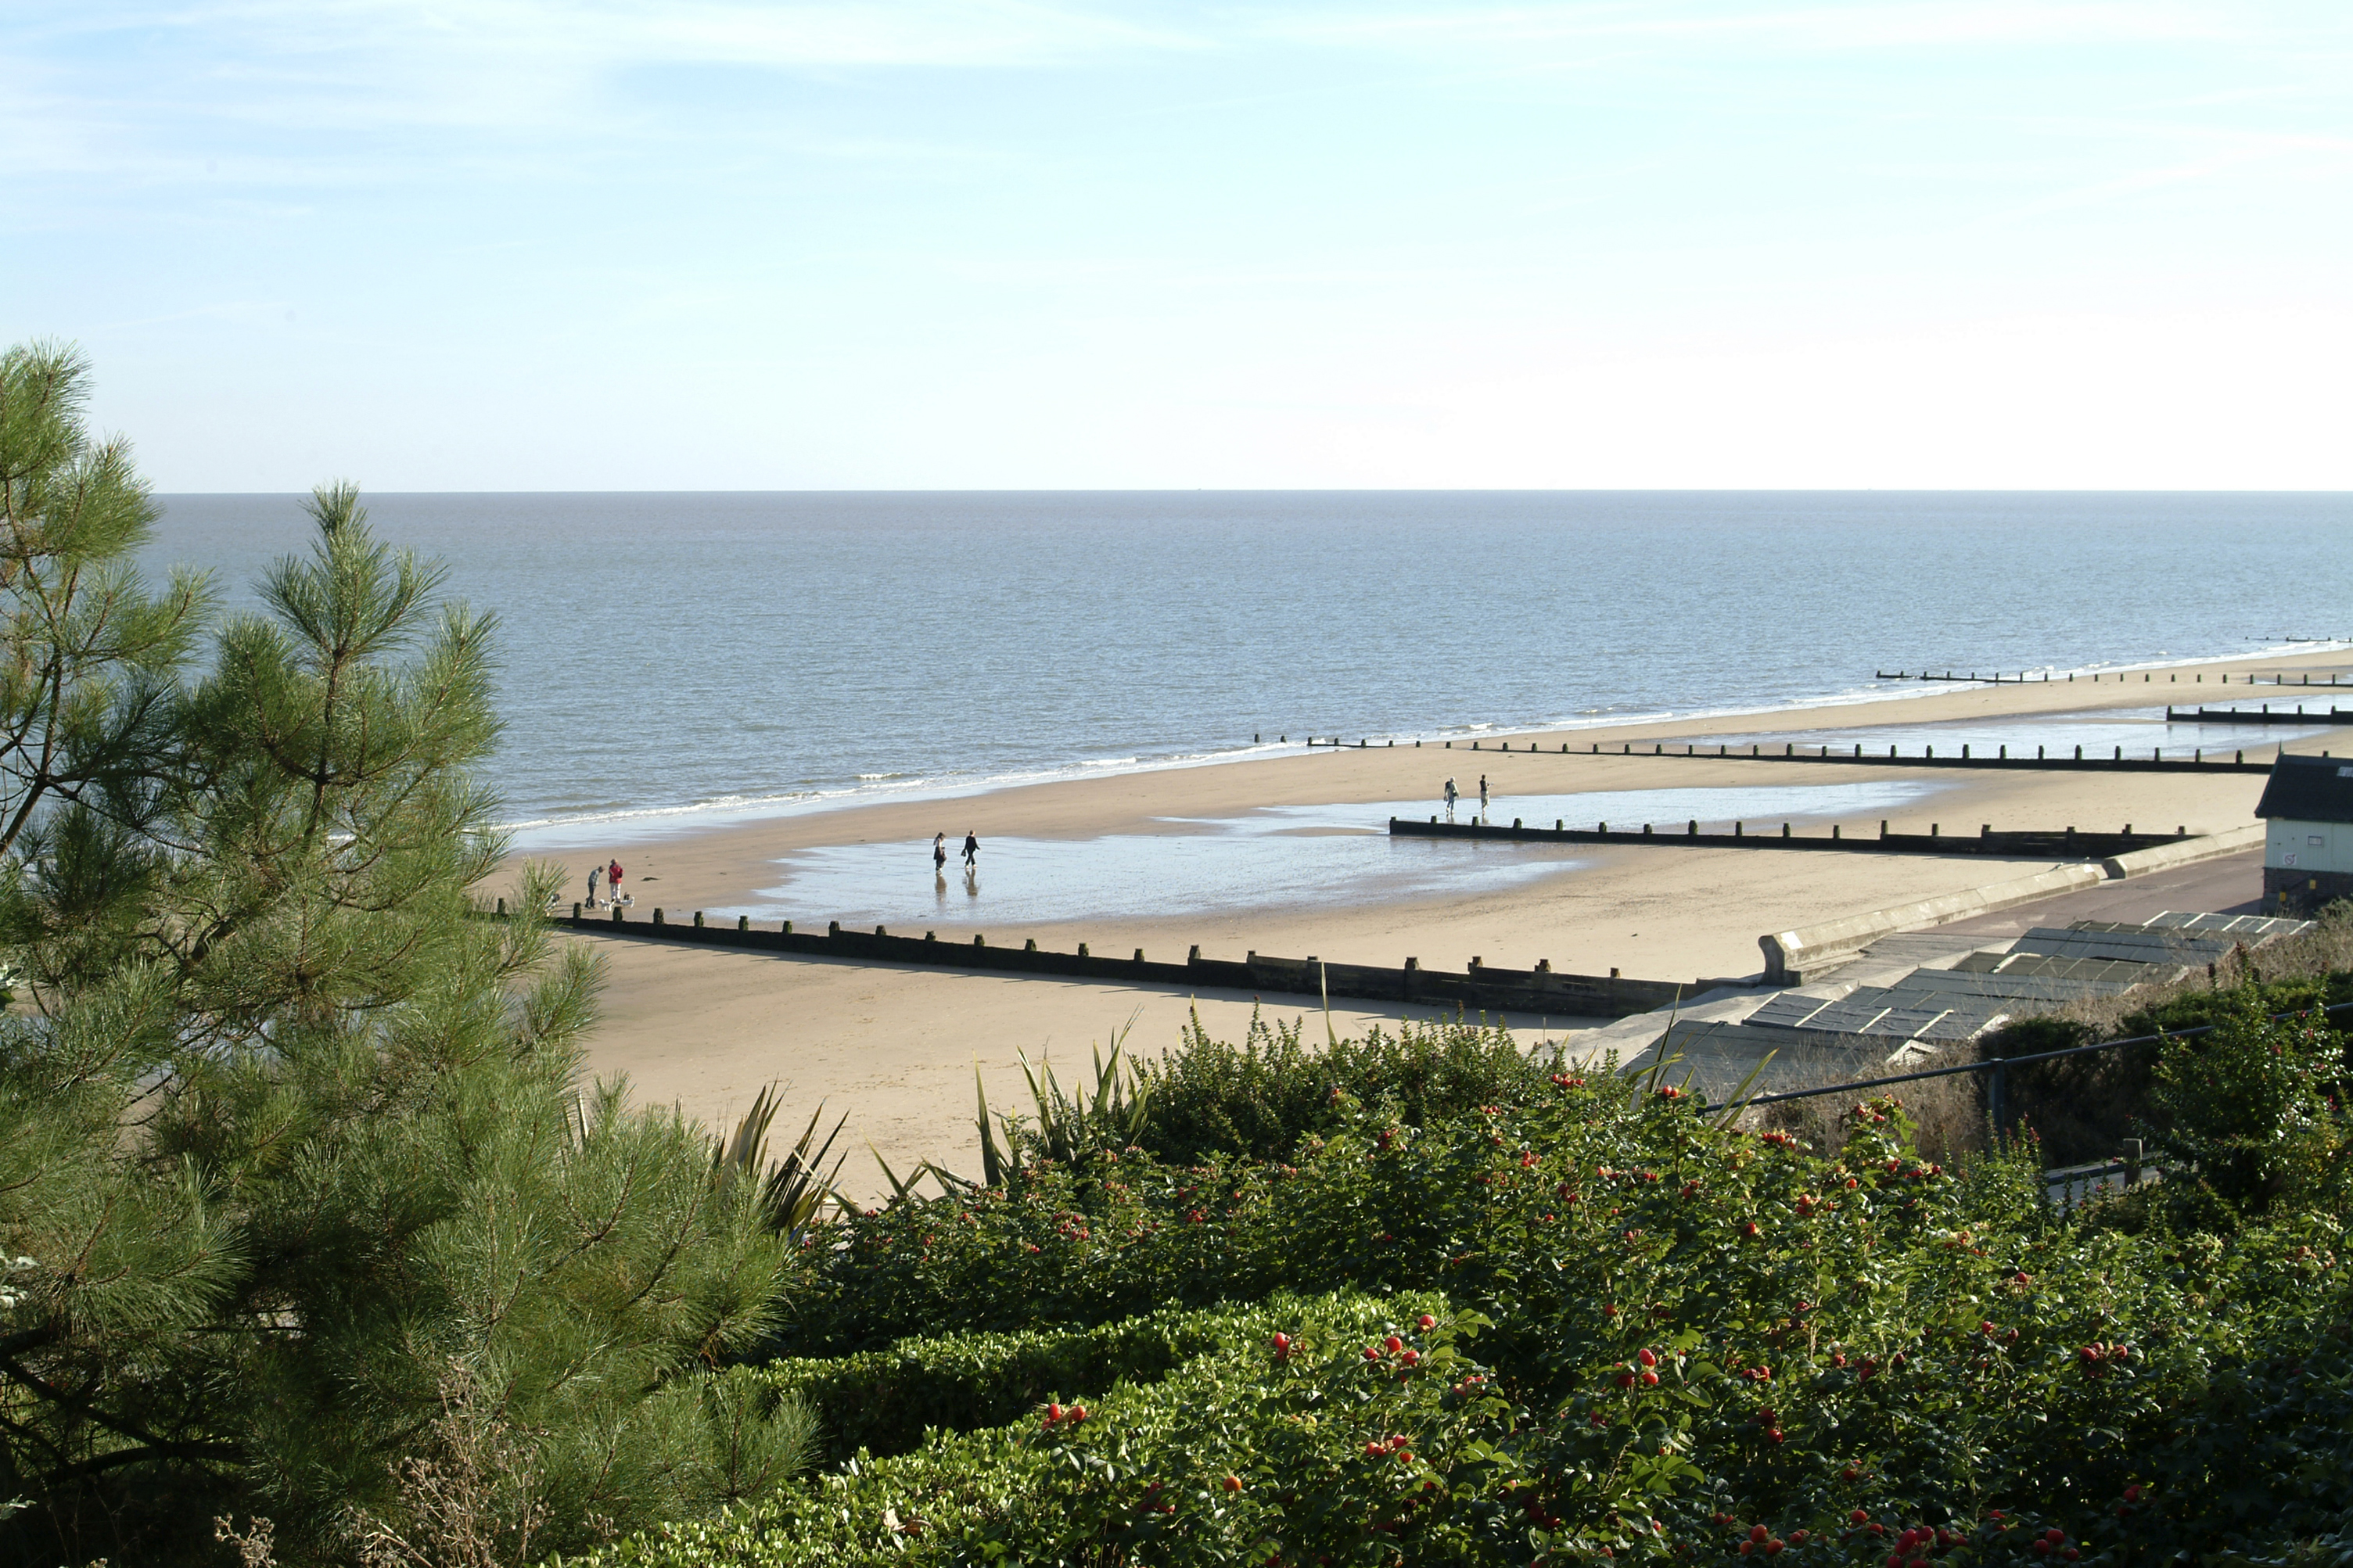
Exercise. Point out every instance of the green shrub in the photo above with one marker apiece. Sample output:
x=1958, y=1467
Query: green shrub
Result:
x=883, y=1402
x=1931, y=1347
x=1328, y=1444
x=2247, y=1113
x=1260, y=1097
x=2081, y=1106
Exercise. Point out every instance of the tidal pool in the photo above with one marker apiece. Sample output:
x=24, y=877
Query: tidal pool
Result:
x=1278, y=858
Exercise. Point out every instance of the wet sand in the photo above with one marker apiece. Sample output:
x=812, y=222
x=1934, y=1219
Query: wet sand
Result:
x=897, y=1047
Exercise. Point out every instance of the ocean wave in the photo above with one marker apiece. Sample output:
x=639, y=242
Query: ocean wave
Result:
x=715, y=811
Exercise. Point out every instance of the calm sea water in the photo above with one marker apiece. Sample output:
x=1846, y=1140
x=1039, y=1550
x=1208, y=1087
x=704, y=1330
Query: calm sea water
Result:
x=699, y=654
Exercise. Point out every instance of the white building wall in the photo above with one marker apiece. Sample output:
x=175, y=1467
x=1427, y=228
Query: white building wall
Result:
x=2296, y=846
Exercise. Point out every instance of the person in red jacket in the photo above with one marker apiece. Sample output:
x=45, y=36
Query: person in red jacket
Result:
x=613, y=881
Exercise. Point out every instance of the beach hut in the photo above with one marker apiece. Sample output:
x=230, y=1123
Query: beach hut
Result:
x=2307, y=809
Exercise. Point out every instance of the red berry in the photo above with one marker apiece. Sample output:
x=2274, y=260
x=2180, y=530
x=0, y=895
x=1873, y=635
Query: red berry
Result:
x=2070, y=1554
x=1426, y=1322
x=1650, y=1380
x=1857, y=1516
x=1771, y=1547
x=1647, y=1358
x=1749, y=1229
x=1053, y=1413
x=1394, y=1343
x=1625, y=1380
x=2042, y=1549
x=1233, y=1483
x=1405, y=1456
x=2054, y=1536
x=1410, y=1357
x=1373, y=1450
x=1758, y=1534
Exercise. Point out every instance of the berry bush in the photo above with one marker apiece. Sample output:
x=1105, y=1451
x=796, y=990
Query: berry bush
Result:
x=1593, y=1323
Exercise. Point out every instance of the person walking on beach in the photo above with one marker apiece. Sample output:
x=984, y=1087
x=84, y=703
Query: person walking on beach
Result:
x=593, y=873
x=1449, y=793
x=1483, y=795
x=613, y=881
x=971, y=850
x=939, y=852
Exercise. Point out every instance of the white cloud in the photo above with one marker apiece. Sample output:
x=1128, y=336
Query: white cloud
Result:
x=88, y=78
x=1881, y=25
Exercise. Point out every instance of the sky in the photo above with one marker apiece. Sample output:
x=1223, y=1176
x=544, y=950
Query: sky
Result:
x=483, y=245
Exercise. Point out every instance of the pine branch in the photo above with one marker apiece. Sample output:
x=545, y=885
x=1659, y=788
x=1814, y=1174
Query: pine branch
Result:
x=164, y=1447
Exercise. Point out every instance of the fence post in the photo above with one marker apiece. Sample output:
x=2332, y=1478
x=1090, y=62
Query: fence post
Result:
x=1996, y=1094
x=2132, y=1161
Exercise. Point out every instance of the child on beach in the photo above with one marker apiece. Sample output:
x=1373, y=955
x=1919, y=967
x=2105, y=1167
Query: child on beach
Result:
x=613, y=881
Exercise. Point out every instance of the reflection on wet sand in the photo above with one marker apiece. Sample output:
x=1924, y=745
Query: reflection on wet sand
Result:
x=1281, y=857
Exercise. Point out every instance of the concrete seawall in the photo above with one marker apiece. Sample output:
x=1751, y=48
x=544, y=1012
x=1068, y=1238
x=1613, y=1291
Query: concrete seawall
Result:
x=1792, y=956
x=1480, y=989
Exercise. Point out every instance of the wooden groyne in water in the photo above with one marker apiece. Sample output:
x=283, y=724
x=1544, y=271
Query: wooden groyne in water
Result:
x=2263, y=715
x=2155, y=763
x=2065, y=844
x=2218, y=715
x=1787, y=752
x=1541, y=991
x=2045, y=678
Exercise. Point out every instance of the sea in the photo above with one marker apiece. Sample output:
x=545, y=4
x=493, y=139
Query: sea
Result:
x=687, y=658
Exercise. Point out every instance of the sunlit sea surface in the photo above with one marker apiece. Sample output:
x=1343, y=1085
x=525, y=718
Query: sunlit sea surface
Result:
x=700, y=657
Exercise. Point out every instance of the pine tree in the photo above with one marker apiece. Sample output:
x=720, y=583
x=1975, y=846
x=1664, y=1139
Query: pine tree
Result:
x=322, y=1226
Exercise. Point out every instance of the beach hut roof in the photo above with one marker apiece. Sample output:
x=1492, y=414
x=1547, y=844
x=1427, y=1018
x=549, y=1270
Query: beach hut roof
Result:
x=2308, y=789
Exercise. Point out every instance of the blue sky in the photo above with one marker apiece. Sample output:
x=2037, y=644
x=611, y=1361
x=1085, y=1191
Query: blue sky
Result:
x=560, y=243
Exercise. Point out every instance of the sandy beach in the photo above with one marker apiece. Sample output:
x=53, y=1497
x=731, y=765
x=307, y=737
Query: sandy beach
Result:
x=896, y=1048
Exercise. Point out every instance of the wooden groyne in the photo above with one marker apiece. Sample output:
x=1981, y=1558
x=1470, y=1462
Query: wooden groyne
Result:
x=1334, y=742
x=2155, y=762
x=1541, y=991
x=2022, y=679
x=2065, y=844
x=2045, y=678
x=2263, y=715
